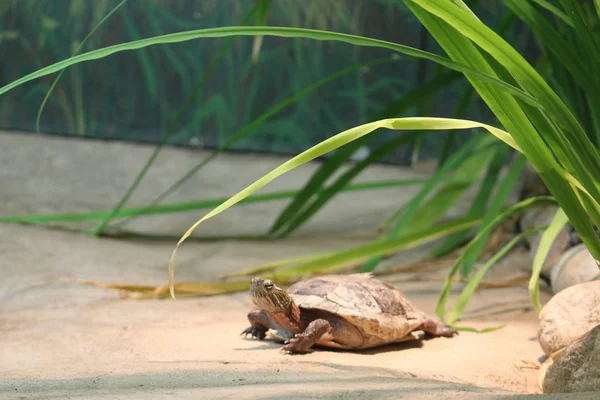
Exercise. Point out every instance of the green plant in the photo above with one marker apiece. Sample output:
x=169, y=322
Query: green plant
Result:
x=37, y=33
x=536, y=122
x=320, y=14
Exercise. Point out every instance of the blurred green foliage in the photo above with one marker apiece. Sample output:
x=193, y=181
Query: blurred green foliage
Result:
x=135, y=95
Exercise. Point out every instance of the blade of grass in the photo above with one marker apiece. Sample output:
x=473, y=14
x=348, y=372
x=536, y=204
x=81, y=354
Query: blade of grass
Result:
x=79, y=47
x=261, y=20
x=504, y=189
x=471, y=286
x=261, y=119
x=564, y=51
x=558, y=222
x=467, y=164
x=329, y=145
x=172, y=127
x=339, y=260
x=485, y=229
x=463, y=103
x=341, y=156
x=185, y=288
x=479, y=203
x=473, y=330
x=197, y=205
x=587, y=37
x=324, y=196
x=414, y=205
x=295, y=214
x=509, y=111
x=567, y=138
x=267, y=31
x=316, y=181
x=554, y=10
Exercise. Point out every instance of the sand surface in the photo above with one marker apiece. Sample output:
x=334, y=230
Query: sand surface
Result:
x=61, y=340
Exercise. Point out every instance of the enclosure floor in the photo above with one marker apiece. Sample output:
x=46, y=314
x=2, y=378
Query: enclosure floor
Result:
x=62, y=340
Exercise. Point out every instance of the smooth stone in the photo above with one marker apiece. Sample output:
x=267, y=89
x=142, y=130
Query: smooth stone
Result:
x=577, y=368
x=532, y=184
x=568, y=315
x=577, y=265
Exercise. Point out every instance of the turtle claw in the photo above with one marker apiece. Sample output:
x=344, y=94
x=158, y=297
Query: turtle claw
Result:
x=255, y=332
x=299, y=344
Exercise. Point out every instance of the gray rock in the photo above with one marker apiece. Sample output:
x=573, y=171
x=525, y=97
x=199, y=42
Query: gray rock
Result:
x=531, y=183
x=577, y=265
x=568, y=315
x=577, y=368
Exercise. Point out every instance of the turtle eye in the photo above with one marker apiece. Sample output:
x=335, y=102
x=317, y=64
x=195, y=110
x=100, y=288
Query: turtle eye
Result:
x=268, y=285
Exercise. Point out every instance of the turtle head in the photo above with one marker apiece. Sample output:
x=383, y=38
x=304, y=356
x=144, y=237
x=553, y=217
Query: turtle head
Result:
x=269, y=297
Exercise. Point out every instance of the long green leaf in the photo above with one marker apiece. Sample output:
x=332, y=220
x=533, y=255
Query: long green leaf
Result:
x=442, y=20
x=267, y=31
x=558, y=222
x=276, y=109
x=316, y=181
x=570, y=142
x=173, y=126
x=415, y=204
x=504, y=189
x=568, y=56
x=585, y=34
x=76, y=51
x=523, y=205
x=569, y=65
x=479, y=204
x=329, y=145
x=554, y=10
x=474, y=149
x=334, y=261
x=202, y=204
x=325, y=196
x=420, y=93
x=471, y=286
x=298, y=211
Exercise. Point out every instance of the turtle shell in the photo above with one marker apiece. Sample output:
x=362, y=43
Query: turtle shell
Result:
x=380, y=312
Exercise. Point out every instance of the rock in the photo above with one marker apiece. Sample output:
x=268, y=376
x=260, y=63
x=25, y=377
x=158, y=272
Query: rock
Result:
x=531, y=183
x=538, y=216
x=577, y=368
x=568, y=315
x=577, y=265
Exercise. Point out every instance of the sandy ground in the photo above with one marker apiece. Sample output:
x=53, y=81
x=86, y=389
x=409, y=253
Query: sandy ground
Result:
x=62, y=340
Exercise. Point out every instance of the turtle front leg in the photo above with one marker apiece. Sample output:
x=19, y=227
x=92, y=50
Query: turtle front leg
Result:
x=260, y=323
x=317, y=330
x=435, y=328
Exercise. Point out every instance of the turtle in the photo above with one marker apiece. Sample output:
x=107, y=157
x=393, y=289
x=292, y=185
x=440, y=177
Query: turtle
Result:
x=350, y=312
